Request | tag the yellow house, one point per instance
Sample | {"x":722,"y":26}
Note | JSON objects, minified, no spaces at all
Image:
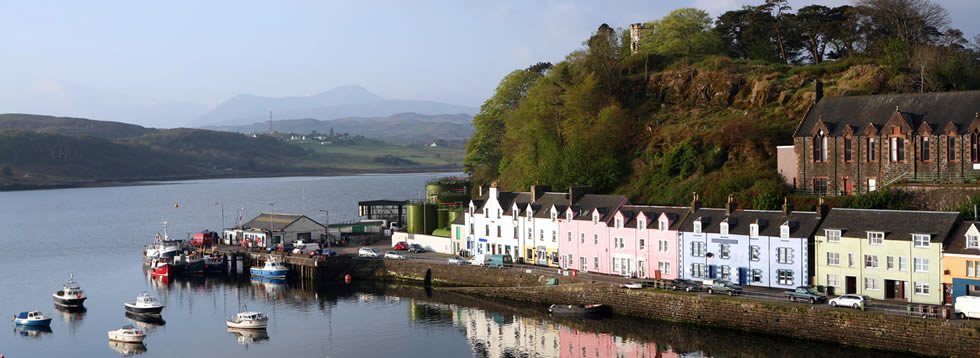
{"x":883,"y":254}
{"x":961,"y":263}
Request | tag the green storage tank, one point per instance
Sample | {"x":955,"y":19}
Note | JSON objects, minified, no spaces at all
{"x":413,"y":214}
{"x":432,"y":193}
{"x":453,"y":214}
{"x":443,"y":218}
{"x":431,"y":218}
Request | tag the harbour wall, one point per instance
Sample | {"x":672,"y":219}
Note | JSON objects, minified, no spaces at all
{"x":955,"y":338}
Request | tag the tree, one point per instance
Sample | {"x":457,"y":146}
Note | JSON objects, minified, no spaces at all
{"x":683,"y":32}
{"x":912,"y":21}
{"x":820,"y":26}
{"x":780,"y":24}
{"x":483,"y":149}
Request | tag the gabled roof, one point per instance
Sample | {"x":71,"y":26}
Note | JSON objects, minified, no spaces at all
{"x":277,"y":222}
{"x":542,"y":207}
{"x":896,"y":224}
{"x":957,"y":241}
{"x":676,"y":215}
{"x":802,"y":223}
{"x":938,"y":108}
{"x":460,"y":220}
{"x":606,"y":204}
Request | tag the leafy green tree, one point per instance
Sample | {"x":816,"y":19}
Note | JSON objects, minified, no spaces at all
{"x":683,"y":32}
{"x":820,"y":26}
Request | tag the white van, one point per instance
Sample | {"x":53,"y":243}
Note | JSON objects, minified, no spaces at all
{"x":967,"y":306}
{"x":301,"y":247}
{"x":480,"y":260}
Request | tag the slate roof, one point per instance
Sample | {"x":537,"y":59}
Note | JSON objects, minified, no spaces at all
{"x":896,"y":224}
{"x":460,"y":220}
{"x":957,"y":241}
{"x":653,"y":213}
{"x":607,"y":205}
{"x":542,"y":206}
{"x":278,"y":221}
{"x":936,"y":108}
{"x":802,"y":223}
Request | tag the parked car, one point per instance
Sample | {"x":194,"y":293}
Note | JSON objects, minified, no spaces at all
{"x":368,"y":252}
{"x":287,"y":248}
{"x":480,"y":260}
{"x":967,"y":307}
{"x":808,"y":294}
{"x":328,"y":252}
{"x":457,"y":260}
{"x":501,"y":261}
{"x":679,"y":284}
{"x":722,"y":286}
{"x":401,"y":246}
{"x":850,"y":300}
{"x":395,"y":255}
{"x":415,"y":248}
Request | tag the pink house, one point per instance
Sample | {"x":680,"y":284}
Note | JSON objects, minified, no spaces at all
{"x":644,"y":241}
{"x":575,"y":343}
{"x":585,"y":233}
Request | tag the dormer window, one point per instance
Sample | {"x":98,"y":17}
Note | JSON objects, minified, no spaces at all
{"x":554,"y":215}
{"x":515,"y":215}
{"x":619,"y":223}
{"x":486,"y":212}
{"x":876,"y":238}
{"x":784,"y":231}
{"x":972,"y":241}
{"x":697,"y":226}
{"x":529,"y":214}
{"x":568,"y":216}
{"x":641,"y":224}
{"x":595,"y":219}
{"x":920,"y":240}
{"x":471,"y":210}
{"x":833,"y":235}
{"x":723,"y":227}
{"x":499,"y":212}
{"x":664,"y":225}
{"x":754,"y":230}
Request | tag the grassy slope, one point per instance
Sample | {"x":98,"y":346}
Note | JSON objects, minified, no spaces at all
{"x":361,"y":156}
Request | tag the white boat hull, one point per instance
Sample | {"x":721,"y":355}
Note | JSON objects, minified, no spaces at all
{"x":125,"y":338}
{"x":248,"y":324}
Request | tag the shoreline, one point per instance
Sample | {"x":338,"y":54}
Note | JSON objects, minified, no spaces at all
{"x":120,"y":182}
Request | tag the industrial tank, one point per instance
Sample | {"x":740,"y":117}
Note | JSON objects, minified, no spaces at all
{"x":422,"y":218}
{"x":443,"y":218}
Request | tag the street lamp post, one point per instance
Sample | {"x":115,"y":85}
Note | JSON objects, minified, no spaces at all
{"x":222,"y":228}
{"x":326,"y":225}
{"x":271,"y":209}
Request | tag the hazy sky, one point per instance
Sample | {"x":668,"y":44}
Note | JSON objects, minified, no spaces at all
{"x":164,"y":63}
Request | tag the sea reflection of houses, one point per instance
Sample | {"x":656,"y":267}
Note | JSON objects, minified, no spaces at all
{"x":576,"y":343}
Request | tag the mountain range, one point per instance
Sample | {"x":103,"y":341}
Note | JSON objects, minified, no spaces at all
{"x":340,"y":102}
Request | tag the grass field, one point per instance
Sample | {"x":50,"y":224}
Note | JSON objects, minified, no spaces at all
{"x":362,"y":156}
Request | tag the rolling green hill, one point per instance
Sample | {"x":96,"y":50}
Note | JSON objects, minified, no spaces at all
{"x":76,"y":127}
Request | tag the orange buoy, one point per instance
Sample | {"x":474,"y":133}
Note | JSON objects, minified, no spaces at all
{"x":176,"y":205}
{"x":346,"y":280}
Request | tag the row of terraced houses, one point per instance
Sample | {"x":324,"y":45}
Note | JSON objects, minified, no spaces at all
{"x":913,"y":256}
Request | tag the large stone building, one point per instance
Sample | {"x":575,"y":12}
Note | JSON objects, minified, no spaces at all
{"x":856,"y":144}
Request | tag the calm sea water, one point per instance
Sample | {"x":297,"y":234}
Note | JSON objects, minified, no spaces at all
{"x":98,"y":233}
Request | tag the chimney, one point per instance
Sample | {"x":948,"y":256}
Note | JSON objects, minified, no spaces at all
{"x":730,"y":206}
{"x":537,"y":191}
{"x":787,"y":207}
{"x":695,"y":203}
{"x":577,"y":192}
{"x":821,"y":209}
{"x":818,"y":90}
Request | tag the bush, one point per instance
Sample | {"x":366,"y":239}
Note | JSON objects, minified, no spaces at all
{"x":881,"y":199}
{"x":681,"y":160}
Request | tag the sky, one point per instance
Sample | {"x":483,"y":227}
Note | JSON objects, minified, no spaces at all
{"x":163,"y":64}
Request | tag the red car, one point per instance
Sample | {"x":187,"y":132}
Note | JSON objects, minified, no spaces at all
{"x":401,"y":246}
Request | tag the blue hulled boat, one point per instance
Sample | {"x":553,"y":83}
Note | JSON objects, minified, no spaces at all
{"x":272,"y":269}
{"x":32,"y":318}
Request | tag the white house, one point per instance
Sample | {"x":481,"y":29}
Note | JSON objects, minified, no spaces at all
{"x":284,"y":228}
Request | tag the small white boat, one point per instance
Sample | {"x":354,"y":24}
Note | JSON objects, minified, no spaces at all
{"x":127,"y":334}
{"x":249,"y":320}
{"x":145,"y":304}
{"x":71,"y":295}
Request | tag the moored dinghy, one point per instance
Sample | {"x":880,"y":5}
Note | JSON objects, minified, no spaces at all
{"x":71,"y":295}
{"x":578,"y":310}
{"x":145,"y":304}
{"x":32,"y":318}
{"x":249,"y":320}
{"x":127,"y":334}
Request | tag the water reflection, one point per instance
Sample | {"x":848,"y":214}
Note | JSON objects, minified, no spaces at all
{"x":246,"y":336}
{"x":127,"y":349}
{"x":146,"y":323}
{"x":32,"y":331}
{"x":72,"y":317}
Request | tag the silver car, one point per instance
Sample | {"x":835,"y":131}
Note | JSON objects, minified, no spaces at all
{"x":368,"y":252}
{"x":849,"y":300}
{"x":457,"y":260}
{"x":394,"y":255}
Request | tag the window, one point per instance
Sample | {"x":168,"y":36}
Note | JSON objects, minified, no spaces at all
{"x":753,"y":230}
{"x":663,"y":225}
{"x":784,"y":255}
{"x":486,"y":212}
{"x":870,"y":284}
{"x":784,"y":231}
{"x":581,"y":237}
{"x":872,"y":184}
{"x":554,"y":215}
{"x":819,"y":147}
{"x":972,"y":268}
{"x":516,"y":232}
{"x":723,"y":227}
{"x":514,"y":214}
{"x":850,"y":260}
{"x":583,"y":263}
{"x":641,"y":224}
{"x":847,"y":149}
{"x":615,"y":264}
{"x":833,"y":259}
{"x":697,"y":270}
{"x":499,"y":212}
{"x":903,"y":264}
{"x":664,"y":267}
{"x":889,"y":263}
{"x":950,"y":148}
{"x":618,"y":243}
{"x":920,"y":240}
{"x":871,"y":261}
{"x":595,"y":261}
{"x":595,"y":219}
{"x":819,"y":185}
{"x":554,"y":236}
{"x":642,"y":244}
{"x":920,"y":264}
{"x":595,"y":239}
{"x":833,"y":280}
{"x":972,"y":241}
{"x":754,"y":252}
{"x":569,"y":236}
{"x":697,"y":249}
{"x":724,"y":251}
{"x":619,"y":223}
{"x":530,"y":234}
{"x":486,"y":230}
{"x":897,"y":149}
{"x":568,"y":216}
{"x":921,"y":288}
{"x":756,"y":275}
{"x":726,"y":273}
{"x":871,"y":149}
{"x":472,"y":229}
{"x":498,"y":231}
{"x":876,"y":238}
{"x":833,"y":235}
{"x":924,"y":145}
{"x":663,"y":245}
{"x":973,"y":147}
{"x":541,"y":234}
{"x":785,"y":277}
{"x":697,"y":226}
